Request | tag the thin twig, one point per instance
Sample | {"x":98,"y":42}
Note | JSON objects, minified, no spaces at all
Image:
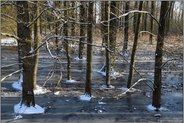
{"x":11,"y":74}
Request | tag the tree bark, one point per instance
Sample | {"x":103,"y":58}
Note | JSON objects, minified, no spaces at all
{"x":82,"y":28}
{"x":135,"y":16}
{"x":130,"y":76}
{"x":37,"y":40}
{"x":151,"y":21}
{"x":65,"y":32}
{"x":24,"y":33}
{"x":156,"y":102}
{"x":125,"y":45}
{"x":89,"y":50}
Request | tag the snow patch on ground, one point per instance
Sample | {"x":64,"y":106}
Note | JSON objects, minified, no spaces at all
{"x":173,"y":79}
{"x":8,"y":42}
{"x":101,"y":103}
{"x":152,"y":108}
{"x":39,"y":90}
{"x":85,"y":97}
{"x":57,"y":93}
{"x":70,"y":81}
{"x":78,"y":59}
{"x":23,"y":109}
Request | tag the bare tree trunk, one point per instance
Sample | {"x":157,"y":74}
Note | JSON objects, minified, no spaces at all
{"x":65,"y":32}
{"x":73,"y":16}
{"x":107,"y":41}
{"x":151,"y":21}
{"x":24,"y":33}
{"x":89,"y":50}
{"x":125,"y":45}
{"x":82,"y":28}
{"x":156,"y":102}
{"x":37,"y":39}
{"x":103,"y":19}
{"x":130,"y":76}
{"x":135,"y":16}
{"x":56,"y":29}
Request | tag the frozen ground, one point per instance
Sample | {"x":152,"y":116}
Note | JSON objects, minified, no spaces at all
{"x":62,"y":103}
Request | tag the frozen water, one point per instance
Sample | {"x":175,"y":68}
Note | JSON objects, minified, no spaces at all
{"x":23,"y":109}
{"x":18,"y":117}
{"x":85,"y":97}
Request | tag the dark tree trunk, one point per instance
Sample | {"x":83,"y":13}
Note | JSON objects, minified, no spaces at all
{"x":73,"y":16}
{"x":151,"y":21}
{"x":65,"y":32}
{"x":125,"y":45}
{"x":156,"y":102}
{"x":89,"y":50}
{"x":24,"y":33}
{"x":130,"y":76}
{"x":103,"y":19}
{"x":56,"y":29}
{"x":37,"y":39}
{"x":135,"y":16}
{"x":82,"y":28}
{"x":107,"y":41}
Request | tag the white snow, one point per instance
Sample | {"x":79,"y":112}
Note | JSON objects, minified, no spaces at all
{"x":70,"y":81}
{"x":126,"y":89}
{"x":113,"y":74}
{"x":152,"y":108}
{"x":18,"y":117}
{"x":101,"y":103}
{"x":105,"y":87}
{"x":39,"y":90}
{"x":85,"y":97}
{"x":78,"y":59}
{"x":8,"y":42}
{"x":32,"y":50}
{"x":57,"y":93}
{"x":23,"y":109}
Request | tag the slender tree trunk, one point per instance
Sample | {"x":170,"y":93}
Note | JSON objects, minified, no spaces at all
{"x":56,"y":29}
{"x":130,"y":76}
{"x":151,"y":21}
{"x":156,"y":102}
{"x":107,"y":41}
{"x":125,"y":45}
{"x":37,"y":39}
{"x":89,"y":50}
{"x":65,"y":32}
{"x":73,"y":16}
{"x":135,"y":16}
{"x":82,"y":28}
{"x":24,"y":33}
{"x":103,"y":19}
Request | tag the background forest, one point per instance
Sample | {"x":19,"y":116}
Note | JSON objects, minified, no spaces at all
{"x":112,"y":61}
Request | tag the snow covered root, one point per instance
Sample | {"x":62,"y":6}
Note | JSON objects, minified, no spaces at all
{"x":152,"y":108}
{"x":85,"y":97}
{"x":23,"y":109}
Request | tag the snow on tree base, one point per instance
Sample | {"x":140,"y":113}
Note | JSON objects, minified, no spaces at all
{"x":39,"y":90}
{"x":106,"y":87}
{"x":78,"y":59}
{"x":152,"y":108}
{"x":85,"y":97}
{"x":18,"y":117}
{"x":70,"y":81}
{"x":23,"y":109}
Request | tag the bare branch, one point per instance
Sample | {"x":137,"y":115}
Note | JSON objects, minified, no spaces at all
{"x":11,"y":65}
{"x":11,"y":74}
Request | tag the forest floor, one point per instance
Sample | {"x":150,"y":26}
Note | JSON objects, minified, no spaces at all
{"x":65,"y":106}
